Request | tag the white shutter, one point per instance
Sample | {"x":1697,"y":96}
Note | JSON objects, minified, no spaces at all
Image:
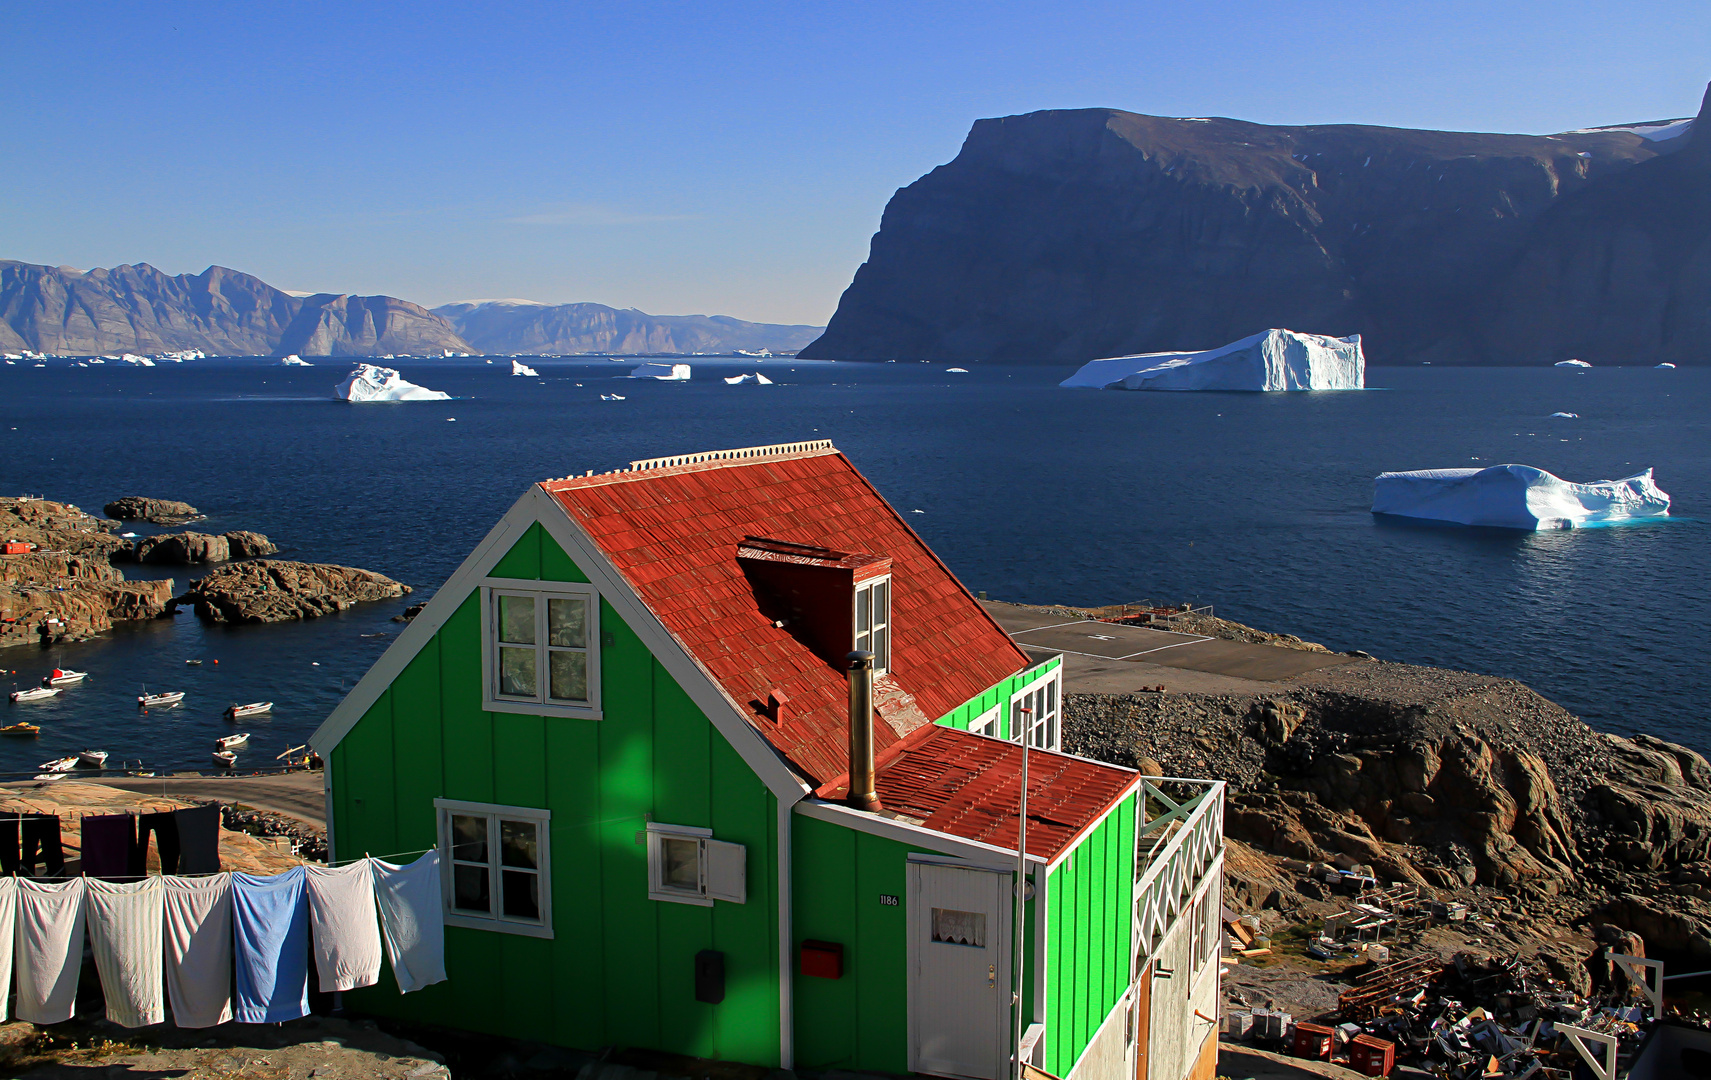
{"x":727,"y":871}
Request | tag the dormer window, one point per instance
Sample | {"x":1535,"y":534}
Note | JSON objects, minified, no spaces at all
{"x":873,"y":621}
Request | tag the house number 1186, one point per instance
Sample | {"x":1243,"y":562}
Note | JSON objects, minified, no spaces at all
{"x":887,"y":900}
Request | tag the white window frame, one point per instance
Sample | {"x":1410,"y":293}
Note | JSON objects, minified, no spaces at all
{"x":730,"y":855}
{"x":541,"y":591}
{"x":880,"y":630}
{"x":988,"y":722}
{"x":1053,"y":718}
{"x":497,"y":921}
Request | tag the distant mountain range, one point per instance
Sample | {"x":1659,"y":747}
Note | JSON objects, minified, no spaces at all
{"x":69,"y":312}
{"x":1066,"y":236}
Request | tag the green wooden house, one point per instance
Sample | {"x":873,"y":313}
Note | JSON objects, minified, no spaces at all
{"x":722,"y":761}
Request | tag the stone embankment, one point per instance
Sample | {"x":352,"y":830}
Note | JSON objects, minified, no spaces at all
{"x":274,"y":590}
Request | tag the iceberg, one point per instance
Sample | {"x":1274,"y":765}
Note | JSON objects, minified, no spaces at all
{"x":1565,"y":415}
{"x":372,"y":383}
{"x":295,"y":361}
{"x":1516,"y":497}
{"x":136,"y":361}
{"x":1272,"y":360}
{"x":1571,"y":363}
{"x":662,"y":372}
{"x":956,"y":371}
{"x":757,"y":378}
{"x":520,"y":368}
{"x":1666,"y":365}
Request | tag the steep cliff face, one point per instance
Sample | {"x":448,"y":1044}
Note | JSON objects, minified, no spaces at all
{"x":1619,"y":272}
{"x":1065,"y":236}
{"x":516,"y":326}
{"x":222,"y":312}
{"x":343,"y":325}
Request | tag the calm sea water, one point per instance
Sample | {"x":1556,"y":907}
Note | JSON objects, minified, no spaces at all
{"x":1257,"y":504}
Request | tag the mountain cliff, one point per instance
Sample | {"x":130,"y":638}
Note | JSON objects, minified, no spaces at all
{"x":1070,"y":235}
{"x":66,"y":311}
{"x":522,"y":326}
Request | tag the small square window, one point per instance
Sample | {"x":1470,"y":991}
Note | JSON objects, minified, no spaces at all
{"x":687,"y":866}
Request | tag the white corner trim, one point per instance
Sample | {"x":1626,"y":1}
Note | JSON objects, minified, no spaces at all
{"x":421,"y":630}
{"x":786,"y":943}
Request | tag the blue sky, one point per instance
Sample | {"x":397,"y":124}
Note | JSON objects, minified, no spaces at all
{"x":725,"y":158}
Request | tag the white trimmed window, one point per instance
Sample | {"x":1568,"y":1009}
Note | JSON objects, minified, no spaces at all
{"x":494,"y":867}
{"x":873,"y":621}
{"x":1035,"y":710}
{"x":987,"y":724}
{"x":542,"y":651}
{"x":687,"y":866}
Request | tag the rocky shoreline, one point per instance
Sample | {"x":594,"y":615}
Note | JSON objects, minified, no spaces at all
{"x":1469,"y":786}
{"x":60,"y":578}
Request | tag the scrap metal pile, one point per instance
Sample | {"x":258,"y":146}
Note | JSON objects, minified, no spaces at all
{"x":1474,"y":1016}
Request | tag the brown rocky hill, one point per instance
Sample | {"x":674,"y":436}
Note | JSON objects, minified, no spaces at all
{"x":66,"y":311}
{"x":1069,"y":235}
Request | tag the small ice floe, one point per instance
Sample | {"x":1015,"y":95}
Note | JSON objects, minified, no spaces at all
{"x":1517,"y":497}
{"x":1565,"y":415}
{"x":127,"y":536}
{"x":757,"y":378}
{"x":956,"y":371}
{"x":520,"y":368}
{"x":295,"y":361}
{"x":372,"y":383}
{"x":662,"y":372}
{"x":611,"y":397}
{"x":136,"y":361}
{"x":917,"y":511}
{"x":97,"y":360}
{"x":1667,"y":365}
{"x":1571,"y":363}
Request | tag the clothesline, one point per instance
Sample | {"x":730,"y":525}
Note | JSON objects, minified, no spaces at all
{"x":256,"y":932}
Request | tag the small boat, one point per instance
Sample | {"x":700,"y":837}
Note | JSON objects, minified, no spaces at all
{"x":32,"y":730}
{"x":38,"y":693}
{"x":60,"y":764}
{"x":93,"y":758}
{"x":225,"y":758}
{"x":194,"y":663}
{"x":64,"y":677}
{"x":226,"y":742}
{"x":254,"y":708}
{"x":155,"y":701}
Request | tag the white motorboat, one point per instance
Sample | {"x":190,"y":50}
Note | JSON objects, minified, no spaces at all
{"x":64,"y":677}
{"x":254,"y":708}
{"x":60,"y":764}
{"x":225,"y":758}
{"x":226,"y":742}
{"x":93,"y":758}
{"x":37,"y":693}
{"x":156,"y":701}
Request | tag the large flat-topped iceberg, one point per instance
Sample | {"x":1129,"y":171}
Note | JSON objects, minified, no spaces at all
{"x":662,"y":372}
{"x":370,"y":382}
{"x":1516,"y":497}
{"x":1273,"y":360}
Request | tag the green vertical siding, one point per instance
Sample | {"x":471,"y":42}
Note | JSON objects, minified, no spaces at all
{"x":620,"y":967}
{"x":1088,"y":936}
{"x":972,"y":709}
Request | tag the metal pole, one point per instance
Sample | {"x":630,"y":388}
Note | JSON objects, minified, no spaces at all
{"x":1021,"y":893}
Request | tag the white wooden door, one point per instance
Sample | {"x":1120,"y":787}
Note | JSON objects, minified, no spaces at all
{"x":959,"y":971}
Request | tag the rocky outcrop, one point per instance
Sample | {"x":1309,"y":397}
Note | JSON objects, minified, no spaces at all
{"x":271,"y":590}
{"x":190,"y":548}
{"x":56,"y":527}
{"x":516,"y":326}
{"x":153,"y":511}
{"x":68,"y":588}
{"x":1069,"y":235}
{"x":65,"y":311}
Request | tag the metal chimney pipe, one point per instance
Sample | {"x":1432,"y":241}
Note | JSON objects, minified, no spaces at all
{"x":862,"y":794}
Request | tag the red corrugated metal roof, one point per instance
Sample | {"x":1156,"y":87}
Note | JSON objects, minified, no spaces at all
{"x":673,"y":533}
{"x":968,"y":786}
